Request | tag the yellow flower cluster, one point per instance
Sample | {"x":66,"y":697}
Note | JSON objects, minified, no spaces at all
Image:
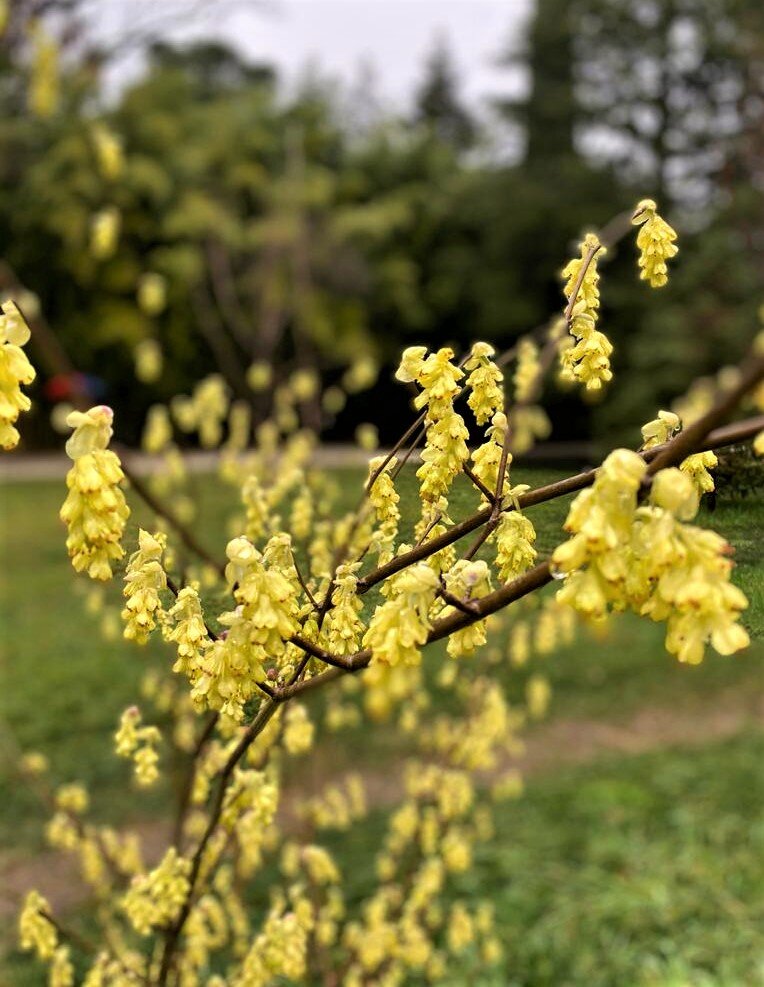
{"x":343,"y":626}
{"x":205,"y":411}
{"x":104,"y":232}
{"x":258,"y":629}
{"x":186,"y":628}
{"x":529,"y":423}
{"x":400,"y":625}
{"x":36,"y":931}
{"x":95,"y":510}
{"x":109,"y":152}
{"x":445,"y":448}
{"x":486,"y":459}
{"x":155,"y":899}
{"x":649,"y":560}
{"x":467,"y":580}
{"x":148,"y":360}
{"x":298,"y":729}
{"x":697,"y":467}
{"x":280,"y":950}
{"x":514,"y":536}
{"x":139,"y":743}
{"x":145,"y":579}
{"x":527,"y":371}
{"x":660,"y":429}
{"x":384,"y":500}
{"x":15,"y":370}
{"x":61,"y":972}
{"x":338,"y":807}
{"x":152,"y":292}
{"x":587,"y":360}
{"x":484,"y":382}
{"x":655,"y":241}
{"x":587,"y":298}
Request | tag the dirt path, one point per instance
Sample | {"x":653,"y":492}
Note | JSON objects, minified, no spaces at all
{"x":559,"y":743}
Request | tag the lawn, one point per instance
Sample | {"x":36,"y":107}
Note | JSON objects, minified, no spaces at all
{"x":633,"y":870}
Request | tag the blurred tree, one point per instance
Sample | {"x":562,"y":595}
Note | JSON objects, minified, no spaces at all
{"x":547,"y":111}
{"x":437,"y":99}
{"x":666,"y":87}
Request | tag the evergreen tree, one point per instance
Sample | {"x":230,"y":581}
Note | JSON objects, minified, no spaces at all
{"x":437,"y":100}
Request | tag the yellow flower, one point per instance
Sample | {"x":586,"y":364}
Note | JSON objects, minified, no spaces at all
{"x":656,"y":243}
{"x":514,"y":536}
{"x":587,"y":360}
{"x":697,"y":467}
{"x":139,"y":743}
{"x":400,"y":626}
{"x":527,"y":371}
{"x":15,"y":370}
{"x":343,"y":625}
{"x":148,"y":361}
{"x":155,"y":899}
{"x":484,"y":383}
{"x":104,"y":232}
{"x":144,"y":581}
{"x":152,"y":293}
{"x":660,"y":429}
{"x":445,"y":448}
{"x":36,"y":932}
{"x":186,"y":628}
{"x":108,"y":148}
{"x":95,"y":510}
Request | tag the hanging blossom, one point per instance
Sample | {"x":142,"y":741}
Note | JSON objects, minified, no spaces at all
{"x":656,"y":243}
{"x":257,"y":630}
{"x":145,"y":578}
{"x":156,"y":898}
{"x":663,"y":428}
{"x":527,"y":371}
{"x":649,"y":560}
{"x":484,"y":382}
{"x":109,"y":151}
{"x":15,"y":370}
{"x":185,"y":627}
{"x":467,"y":580}
{"x":384,"y":499}
{"x":514,"y":536}
{"x":697,"y":467}
{"x":104,"y":232}
{"x":486,"y":459}
{"x":36,"y":932}
{"x":400,"y":626}
{"x":586,"y":357}
{"x":660,"y":429}
{"x":445,"y":448}
{"x":95,"y":510}
{"x":138,"y":742}
{"x":343,"y":626}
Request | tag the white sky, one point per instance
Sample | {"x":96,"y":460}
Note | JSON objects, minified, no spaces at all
{"x":338,"y":36}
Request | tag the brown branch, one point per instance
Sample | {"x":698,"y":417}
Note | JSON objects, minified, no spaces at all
{"x":723,"y":437}
{"x":302,"y":582}
{"x":476,"y":481}
{"x":161,"y":510}
{"x":172,"y":935}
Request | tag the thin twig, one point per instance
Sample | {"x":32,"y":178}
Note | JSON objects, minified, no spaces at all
{"x":161,"y":510}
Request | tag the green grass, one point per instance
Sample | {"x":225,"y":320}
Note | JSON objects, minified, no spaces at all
{"x":641,"y":871}
{"x":64,"y":685}
{"x":644,"y":871}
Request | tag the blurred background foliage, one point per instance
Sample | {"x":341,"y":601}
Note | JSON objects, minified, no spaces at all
{"x":305,"y":230}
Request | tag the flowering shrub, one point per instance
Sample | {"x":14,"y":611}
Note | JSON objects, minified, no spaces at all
{"x":290,"y":612}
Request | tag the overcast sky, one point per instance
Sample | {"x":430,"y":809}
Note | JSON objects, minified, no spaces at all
{"x":339,"y":36}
